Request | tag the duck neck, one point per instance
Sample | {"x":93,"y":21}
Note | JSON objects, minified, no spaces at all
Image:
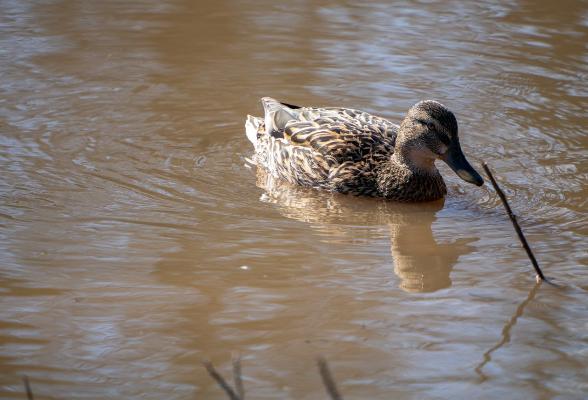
{"x":411,"y":176}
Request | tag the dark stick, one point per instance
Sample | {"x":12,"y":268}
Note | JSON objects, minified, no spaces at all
{"x":237,"y":377}
{"x":28,"y":388}
{"x":220,"y":380}
{"x":328,"y":379}
{"x":515,"y":223}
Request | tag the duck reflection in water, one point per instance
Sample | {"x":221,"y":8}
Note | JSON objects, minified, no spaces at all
{"x":422,"y":264}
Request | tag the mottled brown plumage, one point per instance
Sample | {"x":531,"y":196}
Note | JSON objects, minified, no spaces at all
{"x":350,"y":151}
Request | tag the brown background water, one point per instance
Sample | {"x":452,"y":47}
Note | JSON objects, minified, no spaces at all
{"x":135,"y":243}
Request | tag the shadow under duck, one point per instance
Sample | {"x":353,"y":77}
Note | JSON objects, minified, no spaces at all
{"x":349,"y":151}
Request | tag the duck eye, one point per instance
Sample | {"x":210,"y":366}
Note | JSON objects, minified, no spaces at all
{"x":430,"y":125}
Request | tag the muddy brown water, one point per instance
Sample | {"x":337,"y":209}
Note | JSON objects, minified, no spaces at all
{"x":135,"y":243}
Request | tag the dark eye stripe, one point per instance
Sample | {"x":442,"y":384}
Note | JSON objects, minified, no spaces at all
{"x":444,"y":139}
{"x":429,"y":124}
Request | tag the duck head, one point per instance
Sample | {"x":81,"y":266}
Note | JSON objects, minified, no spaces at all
{"x":429,"y":132}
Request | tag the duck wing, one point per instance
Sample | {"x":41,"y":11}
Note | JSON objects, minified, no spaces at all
{"x":333,"y":148}
{"x":339,"y":134}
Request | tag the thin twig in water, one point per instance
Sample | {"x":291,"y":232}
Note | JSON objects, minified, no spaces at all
{"x":237,"y":377}
{"x":515,"y":223}
{"x":28,"y":388}
{"x":221,"y":381}
{"x":328,"y":379}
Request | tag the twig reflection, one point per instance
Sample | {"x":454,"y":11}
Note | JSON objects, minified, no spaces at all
{"x":506,"y":331}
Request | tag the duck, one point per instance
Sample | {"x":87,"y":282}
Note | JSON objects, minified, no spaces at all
{"x":353,"y":152}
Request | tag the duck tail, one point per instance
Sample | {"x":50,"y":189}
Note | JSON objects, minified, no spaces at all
{"x":277,"y":115}
{"x":292,"y":106}
{"x":252,"y":125}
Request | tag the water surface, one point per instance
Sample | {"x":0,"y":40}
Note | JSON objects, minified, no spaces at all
{"x":135,"y":242}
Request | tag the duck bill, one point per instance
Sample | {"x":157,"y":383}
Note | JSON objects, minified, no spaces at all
{"x":457,"y":162}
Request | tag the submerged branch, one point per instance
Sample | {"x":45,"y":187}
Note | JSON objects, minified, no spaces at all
{"x":237,"y":377}
{"x":238,"y":393}
{"x":221,"y":381}
{"x":513,"y":218}
{"x":28,"y":388}
{"x":328,"y":380}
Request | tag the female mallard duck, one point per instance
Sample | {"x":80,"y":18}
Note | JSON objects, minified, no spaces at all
{"x":350,"y":151}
